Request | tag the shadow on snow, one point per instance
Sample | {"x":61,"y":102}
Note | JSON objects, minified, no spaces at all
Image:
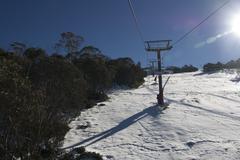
{"x":218,"y":113}
{"x":153,"y":111}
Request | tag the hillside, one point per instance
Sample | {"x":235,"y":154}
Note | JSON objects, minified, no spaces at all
{"x":202,"y":121}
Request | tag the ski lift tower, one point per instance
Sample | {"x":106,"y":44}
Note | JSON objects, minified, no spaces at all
{"x":158,"y":46}
{"x":152,"y":66}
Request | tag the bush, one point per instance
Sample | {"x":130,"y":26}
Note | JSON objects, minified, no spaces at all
{"x":2,"y":53}
{"x":189,"y":68}
{"x":174,"y":69}
{"x":27,"y":129}
{"x":39,"y":94}
{"x":96,"y":74}
{"x":89,"y":155}
{"x":80,"y":154}
{"x":95,"y":71}
{"x":62,"y":82}
{"x":210,"y":67}
{"x":126,"y":72}
{"x":34,"y":53}
{"x":185,"y":68}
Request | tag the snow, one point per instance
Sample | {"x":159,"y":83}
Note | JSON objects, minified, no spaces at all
{"x":202,"y":121}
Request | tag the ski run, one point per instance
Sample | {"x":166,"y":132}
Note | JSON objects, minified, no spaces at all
{"x":201,"y":122}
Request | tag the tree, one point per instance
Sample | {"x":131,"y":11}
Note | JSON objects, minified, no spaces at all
{"x":139,"y":64}
{"x":55,"y":55}
{"x":96,"y":73}
{"x":90,"y":50}
{"x":18,"y":48}
{"x":185,"y":68}
{"x":34,"y":53}
{"x":126,"y":72}
{"x":62,"y":81}
{"x":27,"y":128}
{"x":189,"y":68}
{"x":232,"y":64}
{"x":2,"y":53}
{"x":70,"y":42}
{"x":211,"y":67}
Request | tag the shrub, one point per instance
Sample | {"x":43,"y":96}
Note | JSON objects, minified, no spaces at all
{"x":39,"y":94}
{"x":126,"y":72}
{"x":62,"y":82}
{"x":80,"y":154}
{"x":96,"y":74}
{"x":2,"y":53}
{"x":232,"y":64}
{"x":210,"y":67}
{"x":27,"y":129}
{"x":89,"y":155}
{"x":185,"y":68}
{"x":95,"y":71}
{"x":34,"y":53}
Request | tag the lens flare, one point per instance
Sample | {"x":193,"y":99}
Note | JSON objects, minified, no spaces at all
{"x":235,"y":24}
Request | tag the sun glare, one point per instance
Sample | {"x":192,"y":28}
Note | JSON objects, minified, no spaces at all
{"x":235,"y":24}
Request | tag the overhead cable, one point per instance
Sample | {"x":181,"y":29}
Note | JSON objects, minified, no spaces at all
{"x":204,"y":20}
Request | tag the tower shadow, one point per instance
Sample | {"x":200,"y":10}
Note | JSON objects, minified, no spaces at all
{"x":153,"y":111}
{"x":215,"y":112}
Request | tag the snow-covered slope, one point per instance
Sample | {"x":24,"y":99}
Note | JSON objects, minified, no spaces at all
{"x":202,"y":121}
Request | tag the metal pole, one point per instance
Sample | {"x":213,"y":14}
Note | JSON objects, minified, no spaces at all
{"x":152,"y":68}
{"x":158,"y":49}
{"x":160,"y":95}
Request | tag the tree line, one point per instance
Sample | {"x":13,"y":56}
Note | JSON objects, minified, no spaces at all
{"x":212,"y":67}
{"x":185,"y":68}
{"x":40,"y":93}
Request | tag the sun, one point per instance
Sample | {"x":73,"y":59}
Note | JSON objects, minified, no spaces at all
{"x":235,"y":24}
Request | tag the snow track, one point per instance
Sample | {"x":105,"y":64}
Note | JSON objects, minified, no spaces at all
{"x":202,"y":121}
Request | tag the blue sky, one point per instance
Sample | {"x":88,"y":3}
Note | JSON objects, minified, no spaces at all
{"x":109,"y":26}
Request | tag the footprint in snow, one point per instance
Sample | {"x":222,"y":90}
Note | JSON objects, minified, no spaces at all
{"x":166,"y":150}
{"x":195,"y":100}
{"x":110,"y":157}
{"x":84,"y":125}
{"x":190,"y":144}
{"x":101,"y":104}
